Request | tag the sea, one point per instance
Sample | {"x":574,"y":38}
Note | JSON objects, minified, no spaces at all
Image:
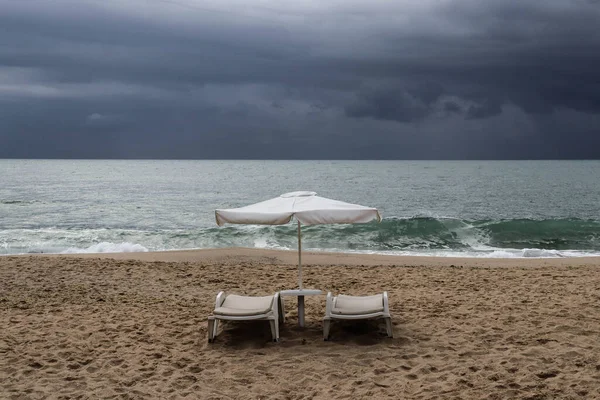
{"x":429,"y":208}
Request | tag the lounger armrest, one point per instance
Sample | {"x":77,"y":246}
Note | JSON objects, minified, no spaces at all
{"x":329,"y":304}
{"x":220,"y":299}
{"x":386,"y":307}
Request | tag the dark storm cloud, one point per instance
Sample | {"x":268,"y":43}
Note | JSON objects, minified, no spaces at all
{"x":396,"y":103}
{"x":393,"y":104}
{"x":487,"y":108}
{"x":186,"y":79}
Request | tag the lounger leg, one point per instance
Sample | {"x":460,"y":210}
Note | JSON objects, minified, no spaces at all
{"x":277,"y":331}
{"x":388,"y":326}
{"x":211,"y":330}
{"x":274,"y":329}
{"x":326,"y":327}
{"x":281,"y":311}
{"x":301,"y":311}
{"x":216,"y":328}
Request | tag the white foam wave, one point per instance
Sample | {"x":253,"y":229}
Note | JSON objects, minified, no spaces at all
{"x":260,"y":243}
{"x":107,"y":247}
{"x":264,"y":243}
{"x":498,"y":253}
{"x":539,"y":253}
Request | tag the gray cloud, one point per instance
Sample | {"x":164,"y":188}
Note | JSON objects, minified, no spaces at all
{"x":182,"y":78}
{"x":395,"y":104}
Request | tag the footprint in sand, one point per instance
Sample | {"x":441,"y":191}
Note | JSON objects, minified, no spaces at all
{"x":547,"y":374}
{"x":116,"y":362}
{"x":195,"y":369}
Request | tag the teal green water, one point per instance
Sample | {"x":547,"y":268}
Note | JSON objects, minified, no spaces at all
{"x":444,"y":208}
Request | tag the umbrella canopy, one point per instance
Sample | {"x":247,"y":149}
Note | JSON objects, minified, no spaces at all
{"x":306,"y":207}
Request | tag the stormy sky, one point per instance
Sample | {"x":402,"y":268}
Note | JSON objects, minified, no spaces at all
{"x":305,"y":79}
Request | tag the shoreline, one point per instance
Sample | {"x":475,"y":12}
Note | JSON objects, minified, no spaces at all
{"x":230,"y":255}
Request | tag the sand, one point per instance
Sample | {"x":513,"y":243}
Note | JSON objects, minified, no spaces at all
{"x":131,"y":326}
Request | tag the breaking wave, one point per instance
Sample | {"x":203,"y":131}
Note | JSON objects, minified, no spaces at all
{"x":106,"y":247}
{"x":403,"y":236}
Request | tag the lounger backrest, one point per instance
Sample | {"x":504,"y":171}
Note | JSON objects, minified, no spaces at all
{"x":248,"y":303}
{"x":358,"y":305}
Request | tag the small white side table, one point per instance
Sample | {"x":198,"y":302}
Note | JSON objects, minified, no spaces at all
{"x":301,"y":293}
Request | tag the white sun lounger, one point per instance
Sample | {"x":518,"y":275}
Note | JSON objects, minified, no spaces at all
{"x":357,"y":307}
{"x":246,"y":308}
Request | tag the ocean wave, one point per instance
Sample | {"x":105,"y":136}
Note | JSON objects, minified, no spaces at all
{"x":489,"y":253}
{"x":420,"y":235}
{"x":106,"y":247}
{"x":429,"y":233}
{"x":17,"y":202}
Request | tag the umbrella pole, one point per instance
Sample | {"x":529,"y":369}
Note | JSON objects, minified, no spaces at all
{"x":299,"y":257}
{"x":300,"y":298}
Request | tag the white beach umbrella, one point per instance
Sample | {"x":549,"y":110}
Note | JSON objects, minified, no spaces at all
{"x":306,"y":207}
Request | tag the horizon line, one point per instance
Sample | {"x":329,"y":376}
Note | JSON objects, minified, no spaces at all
{"x":296,"y":159}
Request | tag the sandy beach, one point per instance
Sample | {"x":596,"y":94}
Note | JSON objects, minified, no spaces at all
{"x":133,"y":325}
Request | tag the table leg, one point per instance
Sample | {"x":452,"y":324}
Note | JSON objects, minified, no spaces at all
{"x":301,"y":311}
